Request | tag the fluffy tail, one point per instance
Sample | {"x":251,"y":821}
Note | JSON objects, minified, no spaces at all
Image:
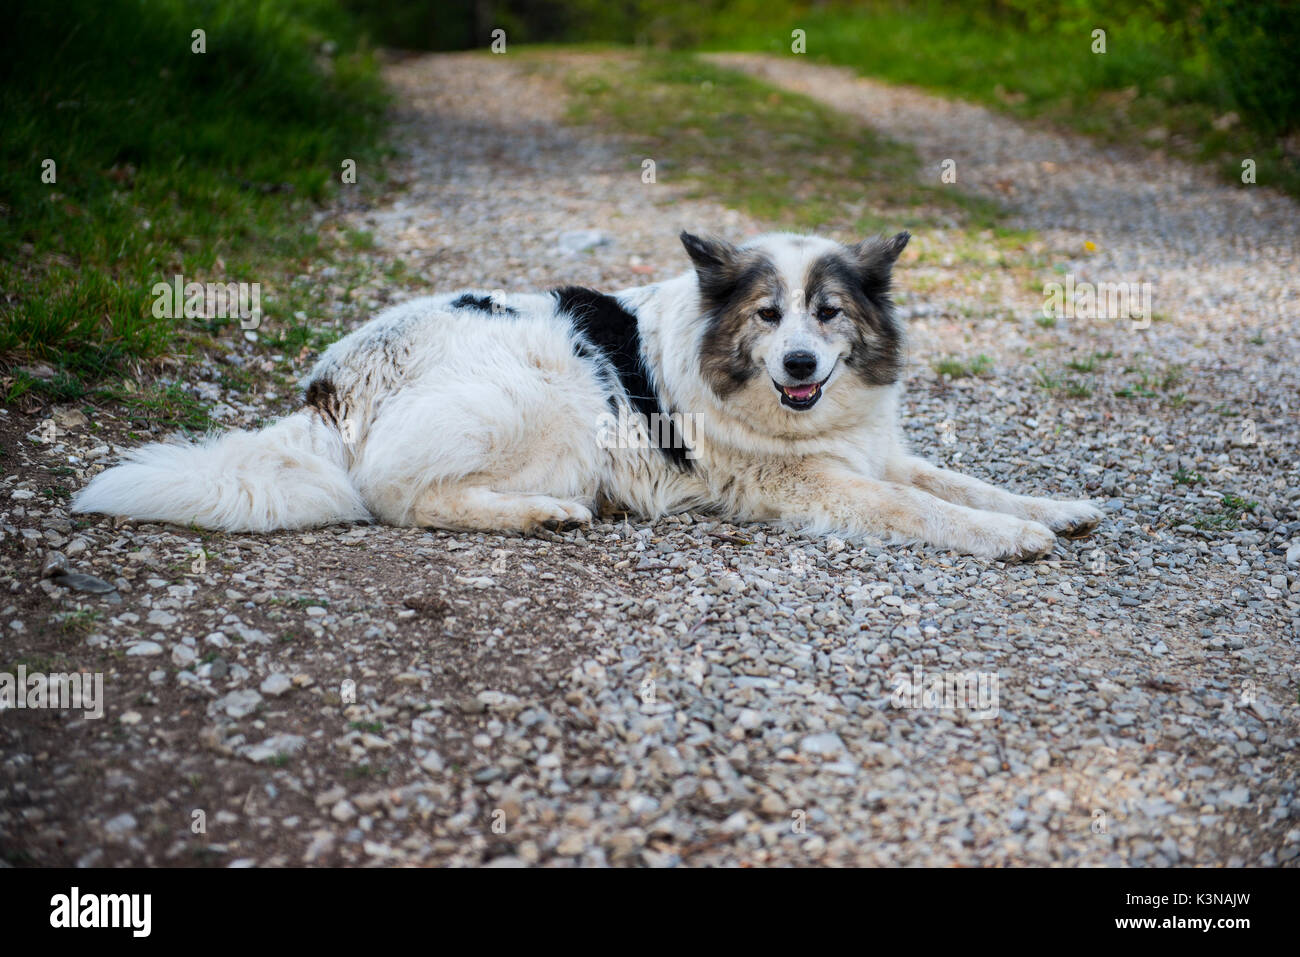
{"x":290,"y":475}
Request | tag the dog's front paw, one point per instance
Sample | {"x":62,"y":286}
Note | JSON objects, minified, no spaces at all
{"x":558,"y":515}
{"x":1072,"y":519}
{"x":1009,"y":539}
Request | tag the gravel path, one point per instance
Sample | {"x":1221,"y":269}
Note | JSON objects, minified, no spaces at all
{"x":693,"y":692}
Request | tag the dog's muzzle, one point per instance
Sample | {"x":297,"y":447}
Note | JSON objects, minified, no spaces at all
{"x":801,"y":397}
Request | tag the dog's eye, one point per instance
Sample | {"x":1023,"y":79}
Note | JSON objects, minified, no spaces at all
{"x":827,"y":313}
{"x":769,"y":313}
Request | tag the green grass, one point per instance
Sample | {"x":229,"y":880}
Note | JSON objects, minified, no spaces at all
{"x":955,"y":368}
{"x":360,"y":239}
{"x":79,"y":624}
{"x":1081,"y":386}
{"x":1148,"y":385}
{"x":1158,"y":84}
{"x":1090,"y":363}
{"x":779,"y":156}
{"x":1071,"y":387}
{"x":165,"y":406}
{"x":1228,"y":516}
{"x":167,"y":161}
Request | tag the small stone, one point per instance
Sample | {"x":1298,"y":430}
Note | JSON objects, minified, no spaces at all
{"x":1236,"y":797}
{"x":322,"y":843}
{"x":432,"y":762}
{"x":122,"y":824}
{"x":570,"y":846}
{"x":275,"y":747}
{"x":826,"y":744}
{"x":239,"y":704}
{"x":332,"y":796}
{"x":581,"y":240}
{"x":70,"y":418}
{"x":84,"y":583}
{"x":276,"y":684}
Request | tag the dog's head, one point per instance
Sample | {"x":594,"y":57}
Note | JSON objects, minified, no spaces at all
{"x":789,"y":318}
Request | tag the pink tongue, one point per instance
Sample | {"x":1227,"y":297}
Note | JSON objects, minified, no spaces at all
{"x":800,"y":391}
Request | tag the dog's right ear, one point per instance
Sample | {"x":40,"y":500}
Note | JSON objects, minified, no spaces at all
{"x":708,"y":253}
{"x":715,"y":261}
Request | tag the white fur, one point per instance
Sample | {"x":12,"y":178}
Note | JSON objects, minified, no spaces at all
{"x":290,"y":475}
{"x":458,"y":419}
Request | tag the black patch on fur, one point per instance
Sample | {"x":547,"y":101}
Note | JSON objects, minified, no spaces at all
{"x":613,"y":332}
{"x":862,"y":275}
{"x":483,"y":304}
{"x":324,"y":398}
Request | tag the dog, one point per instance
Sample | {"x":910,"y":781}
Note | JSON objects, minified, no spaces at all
{"x":761,"y":385}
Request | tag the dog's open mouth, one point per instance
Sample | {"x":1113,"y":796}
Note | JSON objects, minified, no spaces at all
{"x":800,"y":396}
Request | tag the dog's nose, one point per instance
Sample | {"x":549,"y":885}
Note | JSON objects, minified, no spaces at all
{"x":800,"y":364}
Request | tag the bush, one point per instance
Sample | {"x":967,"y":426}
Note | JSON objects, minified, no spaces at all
{"x":1255,"y":45}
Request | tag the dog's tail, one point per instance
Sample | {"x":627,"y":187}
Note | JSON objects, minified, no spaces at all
{"x":290,"y":475}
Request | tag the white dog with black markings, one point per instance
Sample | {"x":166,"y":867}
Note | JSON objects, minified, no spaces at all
{"x":766,"y":378}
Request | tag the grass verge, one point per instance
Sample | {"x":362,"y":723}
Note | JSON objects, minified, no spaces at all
{"x":1155,"y":86}
{"x":775,"y":155}
{"x":145,"y":141}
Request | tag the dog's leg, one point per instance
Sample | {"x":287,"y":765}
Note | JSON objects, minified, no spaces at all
{"x":475,"y":508}
{"x":1071,"y":517}
{"x":847,"y":503}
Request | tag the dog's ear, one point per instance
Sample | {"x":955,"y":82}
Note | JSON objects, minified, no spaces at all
{"x":715,"y":262}
{"x":717,"y":265}
{"x":881,"y":253}
{"x":876,"y":257}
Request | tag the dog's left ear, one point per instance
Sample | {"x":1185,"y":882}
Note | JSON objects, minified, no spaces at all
{"x":877,"y":256}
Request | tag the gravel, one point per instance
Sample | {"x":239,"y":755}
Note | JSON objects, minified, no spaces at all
{"x":692,"y":691}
